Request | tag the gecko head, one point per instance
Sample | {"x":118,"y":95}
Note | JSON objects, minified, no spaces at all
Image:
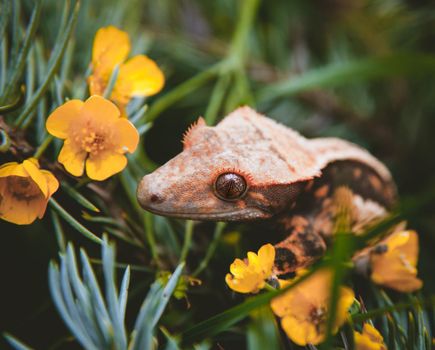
{"x":226,"y":173}
{"x":190,"y":188}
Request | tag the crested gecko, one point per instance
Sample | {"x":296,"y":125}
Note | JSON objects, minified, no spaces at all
{"x":249,"y":167}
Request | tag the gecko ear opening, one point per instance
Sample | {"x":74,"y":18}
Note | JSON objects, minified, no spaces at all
{"x":191,"y":134}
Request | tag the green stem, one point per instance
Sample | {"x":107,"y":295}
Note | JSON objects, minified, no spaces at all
{"x":244,"y":24}
{"x":73,"y":222}
{"x":234,"y":59}
{"x":149,"y":234}
{"x":216,"y":99}
{"x":237,"y":56}
{"x":41,"y":149}
{"x":60,"y":236}
{"x":212,"y":248}
{"x":269,"y":288}
{"x":180,"y":91}
{"x":187,"y":240}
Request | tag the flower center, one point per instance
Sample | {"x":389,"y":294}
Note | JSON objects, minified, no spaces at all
{"x":317,"y":316}
{"x":93,"y":143}
{"x":92,"y":140}
{"x":22,"y":188}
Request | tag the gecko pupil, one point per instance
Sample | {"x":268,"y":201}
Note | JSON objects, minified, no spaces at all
{"x":230,"y":186}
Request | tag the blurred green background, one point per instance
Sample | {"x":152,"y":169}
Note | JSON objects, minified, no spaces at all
{"x":362,"y":70}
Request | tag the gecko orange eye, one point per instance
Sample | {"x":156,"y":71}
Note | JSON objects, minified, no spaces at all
{"x":230,"y":186}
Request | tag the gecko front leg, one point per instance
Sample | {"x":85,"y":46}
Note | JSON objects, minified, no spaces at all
{"x":310,"y":232}
{"x":301,"y":248}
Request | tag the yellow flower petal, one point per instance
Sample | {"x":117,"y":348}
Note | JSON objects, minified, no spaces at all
{"x":59,"y":122}
{"x":13,"y":169}
{"x":36,"y":176}
{"x":281,"y":305}
{"x":301,"y":333}
{"x":396,"y":268}
{"x":97,"y":84}
{"x":346,"y":299}
{"x":129,"y":136}
{"x":34,"y":161}
{"x":398,"y":239}
{"x":304,"y":308}
{"x":401,"y":280}
{"x":25,"y":191}
{"x":105,"y":165}
{"x":52,"y":182}
{"x":266,"y":258}
{"x":238,"y":268}
{"x":100,"y":136}
{"x":253,"y":261}
{"x":250,"y":276}
{"x":111,"y":47}
{"x":251,"y":283}
{"x":73,"y":159}
{"x":139,"y":76}
{"x":369,"y":339}
{"x":20,"y":212}
{"x":100,"y":110}
{"x":410,"y":247}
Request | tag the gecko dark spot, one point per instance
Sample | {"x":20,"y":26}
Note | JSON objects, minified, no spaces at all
{"x":312,"y":245}
{"x":287,"y":275}
{"x":230,"y":186}
{"x":156,"y":199}
{"x":284,"y":258}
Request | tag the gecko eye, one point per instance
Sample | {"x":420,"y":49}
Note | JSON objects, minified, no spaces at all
{"x":230,"y":186}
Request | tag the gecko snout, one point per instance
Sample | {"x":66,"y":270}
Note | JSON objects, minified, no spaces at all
{"x":146,"y":195}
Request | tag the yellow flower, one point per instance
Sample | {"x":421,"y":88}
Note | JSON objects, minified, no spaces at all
{"x":250,"y":276}
{"x":24,"y":191}
{"x":138,"y":76}
{"x":304,"y":308}
{"x":369,"y":339}
{"x":393,"y":262}
{"x":94,"y":135}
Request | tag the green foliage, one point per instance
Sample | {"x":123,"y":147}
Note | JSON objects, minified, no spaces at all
{"x":361,"y":70}
{"x":97,"y":322}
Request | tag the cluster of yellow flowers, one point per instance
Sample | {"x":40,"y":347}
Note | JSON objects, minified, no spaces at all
{"x":96,"y":132}
{"x":303,"y":309}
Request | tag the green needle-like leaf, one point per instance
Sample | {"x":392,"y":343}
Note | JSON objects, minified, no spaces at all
{"x":263,"y":331}
{"x":123,"y":292}
{"x":77,"y":196}
{"x":112,"y":296}
{"x":73,"y":222}
{"x":15,"y":343}
{"x":54,"y":64}
{"x":4,"y":19}
{"x":17,"y":70}
{"x":151,"y":311}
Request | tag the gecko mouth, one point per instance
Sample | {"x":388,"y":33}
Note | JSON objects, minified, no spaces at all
{"x":245,"y":214}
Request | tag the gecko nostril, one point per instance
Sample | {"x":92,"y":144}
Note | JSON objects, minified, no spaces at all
{"x":156,"y":199}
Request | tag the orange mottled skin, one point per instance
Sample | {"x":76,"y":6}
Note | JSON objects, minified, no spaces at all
{"x":275,"y":174}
